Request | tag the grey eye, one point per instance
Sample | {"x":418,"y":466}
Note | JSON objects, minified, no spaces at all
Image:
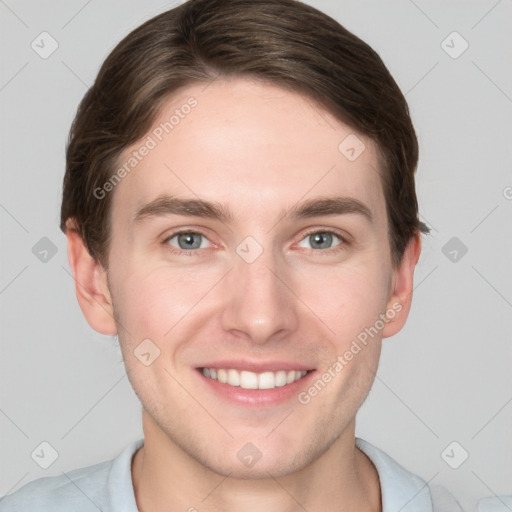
{"x":321,"y":239}
{"x":187,"y":241}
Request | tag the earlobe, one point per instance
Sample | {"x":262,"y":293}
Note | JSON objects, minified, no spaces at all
{"x":90,"y":284}
{"x":399,"y":303}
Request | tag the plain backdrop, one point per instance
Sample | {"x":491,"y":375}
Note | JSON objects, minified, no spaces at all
{"x":445,"y":378}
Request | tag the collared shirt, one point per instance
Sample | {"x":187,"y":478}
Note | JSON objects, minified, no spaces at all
{"x":108,"y":487}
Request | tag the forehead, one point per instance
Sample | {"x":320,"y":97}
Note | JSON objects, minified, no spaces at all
{"x":252,"y":146}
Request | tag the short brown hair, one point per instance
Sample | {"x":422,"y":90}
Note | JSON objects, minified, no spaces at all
{"x":284,"y":42}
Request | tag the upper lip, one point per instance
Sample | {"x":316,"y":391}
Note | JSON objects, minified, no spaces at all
{"x":256,"y":366}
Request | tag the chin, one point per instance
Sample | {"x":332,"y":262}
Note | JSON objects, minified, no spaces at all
{"x":261,"y":469}
{"x":246,"y":460}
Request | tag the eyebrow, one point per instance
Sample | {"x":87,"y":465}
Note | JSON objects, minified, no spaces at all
{"x":321,"y":206}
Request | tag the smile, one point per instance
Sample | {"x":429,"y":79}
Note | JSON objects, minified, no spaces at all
{"x":251,"y":380}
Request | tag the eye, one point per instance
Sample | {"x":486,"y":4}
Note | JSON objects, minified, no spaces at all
{"x":186,"y":241}
{"x":322,"y":239}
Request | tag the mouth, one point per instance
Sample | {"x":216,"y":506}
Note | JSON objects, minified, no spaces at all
{"x":249,"y":380}
{"x":255,"y":384}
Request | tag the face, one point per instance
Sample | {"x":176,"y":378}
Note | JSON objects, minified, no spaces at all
{"x":280,"y":273}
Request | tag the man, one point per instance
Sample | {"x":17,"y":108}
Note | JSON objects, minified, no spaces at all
{"x":240,"y":211}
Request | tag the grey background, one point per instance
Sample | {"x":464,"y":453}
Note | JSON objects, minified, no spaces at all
{"x":444,"y":378}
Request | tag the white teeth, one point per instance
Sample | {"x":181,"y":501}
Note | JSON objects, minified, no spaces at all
{"x":251,"y":380}
{"x":266,"y":380}
{"x":248,"y":380}
{"x":222,"y":376}
{"x":233,"y":378}
{"x":281,"y":378}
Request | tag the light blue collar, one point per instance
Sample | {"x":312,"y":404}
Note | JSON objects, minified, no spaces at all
{"x":401,"y":490}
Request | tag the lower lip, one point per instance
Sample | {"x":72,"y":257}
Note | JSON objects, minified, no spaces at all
{"x":257,"y":397}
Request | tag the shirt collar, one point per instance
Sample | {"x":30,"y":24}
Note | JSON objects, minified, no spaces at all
{"x":401,"y":491}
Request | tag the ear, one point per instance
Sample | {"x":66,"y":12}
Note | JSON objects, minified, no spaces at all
{"x":399,"y":303}
{"x":90,"y":284}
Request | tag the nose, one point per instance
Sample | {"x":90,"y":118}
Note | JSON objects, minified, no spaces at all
{"x":261,"y":304}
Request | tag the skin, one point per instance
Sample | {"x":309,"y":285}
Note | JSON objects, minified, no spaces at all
{"x":257,"y":149}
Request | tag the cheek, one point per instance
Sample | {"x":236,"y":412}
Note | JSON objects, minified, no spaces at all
{"x":348,"y":299}
{"x":161,"y":301}
{"x":151,"y":303}
{"x":149,"y":306}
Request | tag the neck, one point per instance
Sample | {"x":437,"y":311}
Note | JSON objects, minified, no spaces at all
{"x":167,"y":478}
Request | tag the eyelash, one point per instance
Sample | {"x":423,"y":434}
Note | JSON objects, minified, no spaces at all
{"x":182,"y":252}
